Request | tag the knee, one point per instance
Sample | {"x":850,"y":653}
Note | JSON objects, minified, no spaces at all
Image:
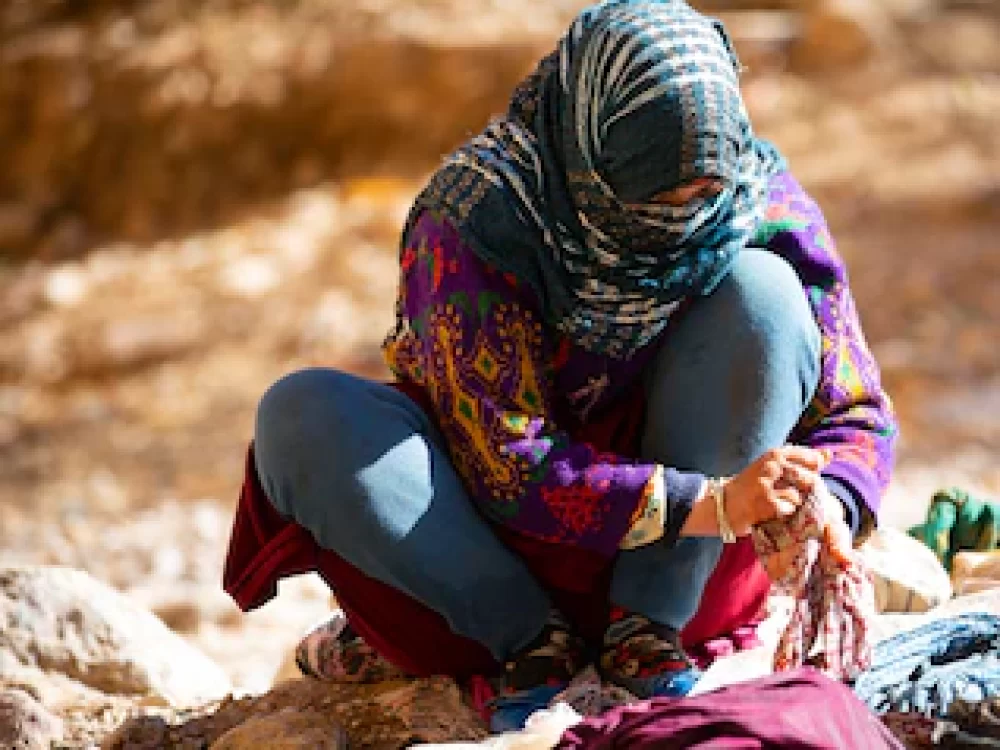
{"x":769,"y":316}
{"x":292,"y":404}
{"x":296,"y":418}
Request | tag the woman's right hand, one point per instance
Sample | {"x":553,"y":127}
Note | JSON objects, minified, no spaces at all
{"x":773,"y":486}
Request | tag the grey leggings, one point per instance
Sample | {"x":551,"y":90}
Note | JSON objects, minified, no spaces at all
{"x":361,"y":466}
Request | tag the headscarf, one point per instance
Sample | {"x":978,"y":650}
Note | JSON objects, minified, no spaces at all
{"x":639,"y":97}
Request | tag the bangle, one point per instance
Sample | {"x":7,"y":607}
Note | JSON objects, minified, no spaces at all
{"x":717,"y":489}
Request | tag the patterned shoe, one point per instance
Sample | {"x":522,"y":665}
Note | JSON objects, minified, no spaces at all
{"x":645,"y":657}
{"x":333,"y":651}
{"x":534,"y":676}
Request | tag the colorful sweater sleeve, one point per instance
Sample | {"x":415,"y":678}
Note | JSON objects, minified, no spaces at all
{"x":850,"y":414}
{"x":475,"y":343}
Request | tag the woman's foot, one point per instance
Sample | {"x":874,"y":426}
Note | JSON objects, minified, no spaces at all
{"x":333,"y":651}
{"x":646,"y":658}
{"x":534,"y":676}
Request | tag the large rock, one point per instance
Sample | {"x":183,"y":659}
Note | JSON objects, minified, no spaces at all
{"x":299,"y":712}
{"x":25,"y":723}
{"x":60,"y":620}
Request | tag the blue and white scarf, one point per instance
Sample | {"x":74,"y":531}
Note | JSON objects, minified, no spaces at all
{"x":640,"y":97}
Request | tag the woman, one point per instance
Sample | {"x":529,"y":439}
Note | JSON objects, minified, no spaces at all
{"x":624,"y":338}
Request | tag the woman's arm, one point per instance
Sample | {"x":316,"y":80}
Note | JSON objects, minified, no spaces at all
{"x":850,"y":414}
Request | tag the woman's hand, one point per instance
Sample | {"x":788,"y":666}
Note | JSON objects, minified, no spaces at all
{"x":773,"y":486}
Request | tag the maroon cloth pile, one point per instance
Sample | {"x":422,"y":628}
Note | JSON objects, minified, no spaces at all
{"x":798,"y":710}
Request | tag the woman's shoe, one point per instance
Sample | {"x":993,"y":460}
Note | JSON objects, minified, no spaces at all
{"x":334,"y":651}
{"x":646,"y":658}
{"x":510,"y":711}
{"x":541,"y":670}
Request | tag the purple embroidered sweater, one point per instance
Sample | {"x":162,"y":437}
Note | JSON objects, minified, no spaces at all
{"x":496,"y":376}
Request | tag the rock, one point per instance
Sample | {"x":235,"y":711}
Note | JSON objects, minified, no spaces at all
{"x":908,"y":576}
{"x":973,"y":572}
{"x":25,"y":723}
{"x":181,"y":617}
{"x":18,"y":224}
{"x":285,"y":730}
{"x":433,"y":710}
{"x":64,"y":621}
{"x":132,"y":342}
{"x":308,"y":712}
{"x":139,"y":732}
{"x":250,"y":276}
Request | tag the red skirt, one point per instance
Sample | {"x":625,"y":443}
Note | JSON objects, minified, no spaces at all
{"x":265,"y":547}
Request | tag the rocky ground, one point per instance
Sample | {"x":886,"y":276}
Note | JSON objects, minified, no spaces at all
{"x":203,"y":196}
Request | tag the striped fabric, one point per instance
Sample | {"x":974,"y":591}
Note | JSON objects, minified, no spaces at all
{"x":639,"y":97}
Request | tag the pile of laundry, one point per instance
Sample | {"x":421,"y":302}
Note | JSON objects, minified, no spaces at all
{"x":937,"y":685}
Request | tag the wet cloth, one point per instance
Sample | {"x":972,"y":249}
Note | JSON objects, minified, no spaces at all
{"x":834,"y":595}
{"x":926,"y":669}
{"x":800,"y":709}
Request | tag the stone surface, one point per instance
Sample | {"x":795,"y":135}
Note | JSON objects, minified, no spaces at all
{"x":62,"y":620}
{"x":384,"y":717}
{"x":287,"y":729}
{"x":973,"y":572}
{"x":25,"y":723}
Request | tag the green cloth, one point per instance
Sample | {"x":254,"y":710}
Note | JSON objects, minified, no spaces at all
{"x":957,"y":521}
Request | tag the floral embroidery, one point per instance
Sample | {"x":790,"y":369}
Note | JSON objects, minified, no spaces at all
{"x":577,"y":508}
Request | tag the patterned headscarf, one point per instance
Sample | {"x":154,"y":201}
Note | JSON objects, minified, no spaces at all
{"x":639,"y":97}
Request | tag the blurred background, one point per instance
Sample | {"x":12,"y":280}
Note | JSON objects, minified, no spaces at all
{"x":197,"y":196}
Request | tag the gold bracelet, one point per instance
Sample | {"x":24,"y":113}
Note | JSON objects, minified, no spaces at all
{"x":718,"y":490}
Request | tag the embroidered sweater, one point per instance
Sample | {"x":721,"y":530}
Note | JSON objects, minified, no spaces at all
{"x":507,"y":390}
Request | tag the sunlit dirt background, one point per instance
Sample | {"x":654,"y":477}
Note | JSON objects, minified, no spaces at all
{"x":198,"y":196}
